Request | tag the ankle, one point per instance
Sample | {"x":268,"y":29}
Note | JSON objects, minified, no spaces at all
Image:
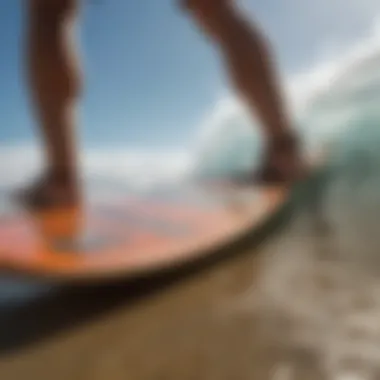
{"x":285,"y":141}
{"x":62,"y":176}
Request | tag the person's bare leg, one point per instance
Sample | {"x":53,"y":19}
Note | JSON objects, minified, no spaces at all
{"x":247,"y":56}
{"x":54,"y":84}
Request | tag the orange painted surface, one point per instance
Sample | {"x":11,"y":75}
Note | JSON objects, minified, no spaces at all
{"x":126,"y":236}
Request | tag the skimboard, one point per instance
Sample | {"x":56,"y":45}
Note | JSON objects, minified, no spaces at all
{"x":128,"y":234}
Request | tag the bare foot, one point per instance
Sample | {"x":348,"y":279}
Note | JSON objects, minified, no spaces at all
{"x":283,"y":163}
{"x":49,"y":192}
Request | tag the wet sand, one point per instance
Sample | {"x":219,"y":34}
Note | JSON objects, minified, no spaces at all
{"x":303,"y":305}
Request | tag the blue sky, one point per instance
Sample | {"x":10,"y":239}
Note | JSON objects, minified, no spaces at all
{"x":150,"y":75}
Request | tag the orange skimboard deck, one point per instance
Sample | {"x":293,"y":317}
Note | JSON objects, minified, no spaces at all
{"x":123,"y":235}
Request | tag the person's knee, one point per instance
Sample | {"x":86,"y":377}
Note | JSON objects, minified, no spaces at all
{"x":205,"y":6}
{"x":51,"y":13}
{"x":51,"y":49}
{"x":222,"y":18}
{"x":215,"y":17}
